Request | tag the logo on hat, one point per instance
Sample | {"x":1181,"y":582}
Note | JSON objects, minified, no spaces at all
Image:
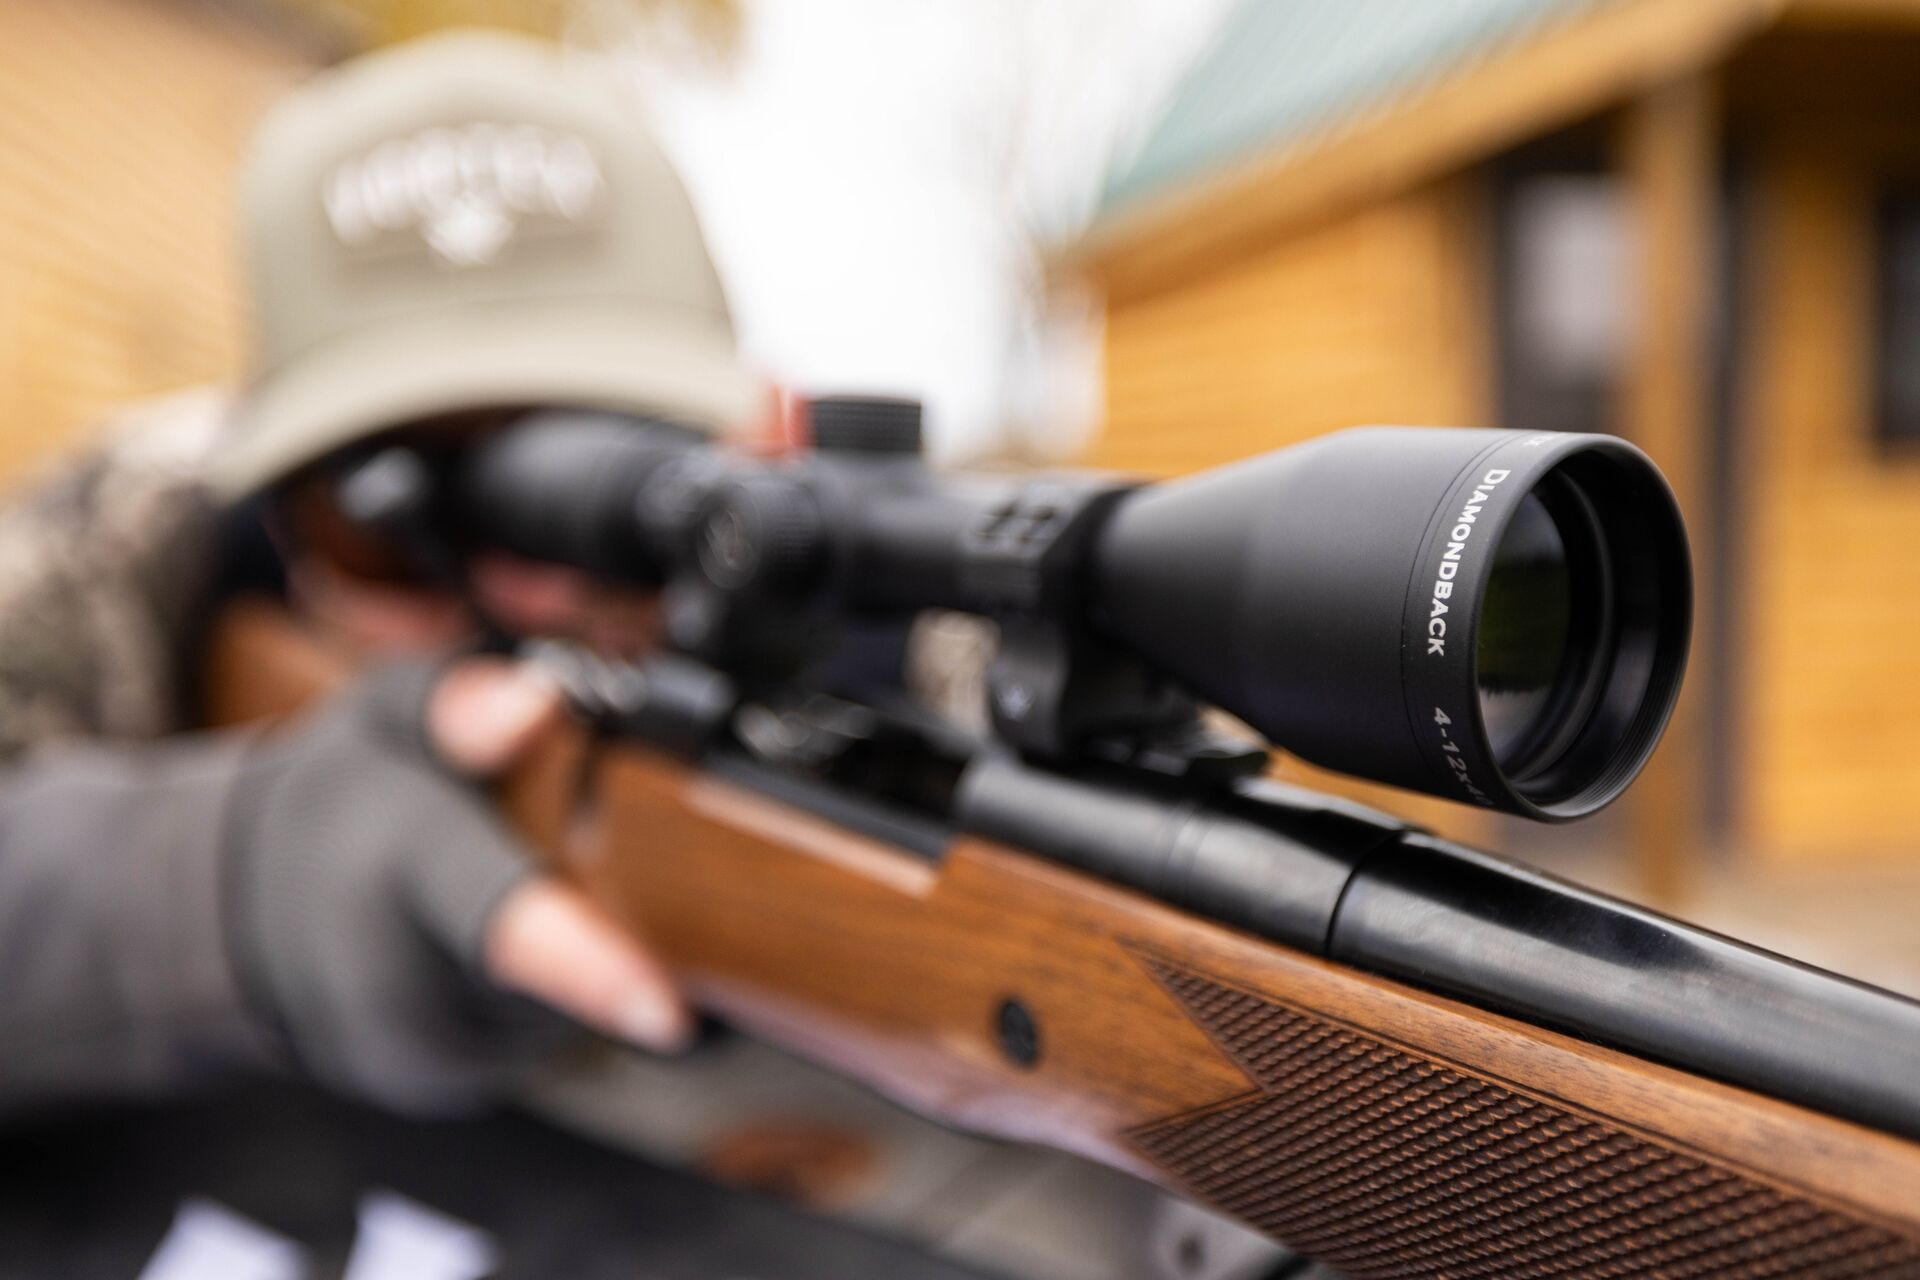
{"x":466,"y":191}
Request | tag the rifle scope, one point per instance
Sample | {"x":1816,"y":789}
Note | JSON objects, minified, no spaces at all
{"x":1495,"y":617}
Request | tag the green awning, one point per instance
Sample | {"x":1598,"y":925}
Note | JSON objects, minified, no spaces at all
{"x":1282,"y":71}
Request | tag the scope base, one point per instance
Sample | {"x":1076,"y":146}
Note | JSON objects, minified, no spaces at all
{"x":1056,"y":695}
{"x":1197,"y":753}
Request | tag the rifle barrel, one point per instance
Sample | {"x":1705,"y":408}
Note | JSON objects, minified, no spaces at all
{"x":1367,"y":890}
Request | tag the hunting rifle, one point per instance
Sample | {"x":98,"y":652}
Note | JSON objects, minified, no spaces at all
{"x":1097,"y":925}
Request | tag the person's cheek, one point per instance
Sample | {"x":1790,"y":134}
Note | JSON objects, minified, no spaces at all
{"x":375,"y":620}
{"x":527,"y":597}
{"x":623,"y":624}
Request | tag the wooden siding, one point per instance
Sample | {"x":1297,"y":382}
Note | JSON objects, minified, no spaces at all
{"x":121,"y":123}
{"x":1830,"y":735}
{"x":1377,"y":317}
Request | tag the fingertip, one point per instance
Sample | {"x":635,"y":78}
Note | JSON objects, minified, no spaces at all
{"x":651,"y":1022}
{"x":486,"y":712}
{"x":552,"y":942}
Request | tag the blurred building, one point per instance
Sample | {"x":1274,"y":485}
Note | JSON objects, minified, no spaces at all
{"x":121,"y":122}
{"x":1693,"y":222}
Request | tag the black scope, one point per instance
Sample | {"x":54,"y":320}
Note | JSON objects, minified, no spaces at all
{"x":1494,"y":617}
{"x":604,"y":492}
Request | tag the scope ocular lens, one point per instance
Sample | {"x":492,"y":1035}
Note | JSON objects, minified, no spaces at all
{"x":1576,"y":610}
{"x":1525,"y":621}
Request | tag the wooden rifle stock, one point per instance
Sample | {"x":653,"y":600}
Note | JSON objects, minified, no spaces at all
{"x":1385,"y":1130}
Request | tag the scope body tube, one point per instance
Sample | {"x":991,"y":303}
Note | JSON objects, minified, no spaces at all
{"x":887,"y":536}
{"x":896,"y":532}
{"x":1363,"y":889}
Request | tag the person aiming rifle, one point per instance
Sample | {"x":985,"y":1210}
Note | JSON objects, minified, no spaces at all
{"x":1096,"y":927}
{"x":1099,"y":927}
{"x":441,"y":238}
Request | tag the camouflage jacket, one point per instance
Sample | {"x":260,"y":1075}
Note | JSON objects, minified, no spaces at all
{"x":104,"y":563}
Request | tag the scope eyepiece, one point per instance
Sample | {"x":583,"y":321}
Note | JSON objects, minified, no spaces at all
{"x":605,"y":492}
{"x":1498,"y":617}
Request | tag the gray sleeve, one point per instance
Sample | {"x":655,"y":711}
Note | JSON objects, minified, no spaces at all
{"x":319,"y":897}
{"x":115,"y":978}
{"x":364,"y":880}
